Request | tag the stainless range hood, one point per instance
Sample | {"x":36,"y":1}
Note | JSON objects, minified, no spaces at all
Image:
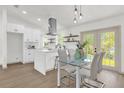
{"x":52,"y":26}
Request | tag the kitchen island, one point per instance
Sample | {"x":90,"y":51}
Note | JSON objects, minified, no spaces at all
{"x":44,"y":60}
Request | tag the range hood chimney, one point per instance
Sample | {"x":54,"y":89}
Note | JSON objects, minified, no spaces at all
{"x":52,"y":26}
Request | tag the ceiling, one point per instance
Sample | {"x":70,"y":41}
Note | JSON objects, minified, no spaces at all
{"x":65,"y":13}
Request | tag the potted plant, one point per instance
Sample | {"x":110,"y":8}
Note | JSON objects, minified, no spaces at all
{"x":80,"y":49}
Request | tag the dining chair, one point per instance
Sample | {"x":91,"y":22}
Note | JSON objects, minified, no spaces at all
{"x":63,"y":57}
{"x":88,"y":66}
{"x":71,"y":53}
{"x":100,"y":67}
{"x":100,"y":62}
{"x":91,"y":74}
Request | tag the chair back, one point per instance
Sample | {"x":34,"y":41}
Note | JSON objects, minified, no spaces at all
{"x":100,"y":61}
{"x":63,"y":56}
{"x":94,"y":66}
{"x":71,"y":53}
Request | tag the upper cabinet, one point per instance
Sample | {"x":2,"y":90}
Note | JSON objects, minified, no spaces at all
{"x":32,"y":35}
{"x":15,"y":28}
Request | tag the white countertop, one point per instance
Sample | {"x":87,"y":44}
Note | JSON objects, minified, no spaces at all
{"x":46,"y":50}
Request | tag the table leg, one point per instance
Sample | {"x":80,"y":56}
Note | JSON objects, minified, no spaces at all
{"x":58,"y":75}
{"x":77,"y":77}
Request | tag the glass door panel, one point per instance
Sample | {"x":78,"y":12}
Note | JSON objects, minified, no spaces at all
{"x":107,"y":43}
{"x":89,"y":48}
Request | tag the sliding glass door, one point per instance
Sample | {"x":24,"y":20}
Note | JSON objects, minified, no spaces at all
{"x":106,"y":40}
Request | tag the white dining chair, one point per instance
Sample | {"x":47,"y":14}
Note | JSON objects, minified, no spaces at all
{"x":88,"y":66}
{"x":100,"y":62}
{"x":91,"y":74}
{"x":63,"y":57}
{"x":100,"y":67}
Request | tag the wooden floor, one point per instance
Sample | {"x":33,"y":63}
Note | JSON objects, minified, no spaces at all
{"x":24,"y":76}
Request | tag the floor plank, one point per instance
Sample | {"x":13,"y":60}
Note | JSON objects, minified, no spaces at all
{"x":24,"y":76}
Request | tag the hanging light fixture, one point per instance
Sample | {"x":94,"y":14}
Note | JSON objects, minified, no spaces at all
{"x":80,"y":16}
{"x":76,"y":10}
{"x":77,"y":13}
{"x":75,"y":20}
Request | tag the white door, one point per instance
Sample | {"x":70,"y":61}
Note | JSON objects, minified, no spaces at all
{"x":90,"y":47}
{"x":14,"y":47}
{"x":104,"y":40}
{"x":110,"y":43}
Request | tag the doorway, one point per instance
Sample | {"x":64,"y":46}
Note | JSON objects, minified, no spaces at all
{"x":14,"y":47}
{"x":106,"y":40}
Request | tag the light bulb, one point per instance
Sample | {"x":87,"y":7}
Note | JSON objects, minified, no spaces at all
{"x":75,"y":21}
{"x":80,"y":16}
{"x":76,"y":11}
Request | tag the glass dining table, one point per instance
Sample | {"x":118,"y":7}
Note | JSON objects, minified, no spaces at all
{"x":77,"y":64}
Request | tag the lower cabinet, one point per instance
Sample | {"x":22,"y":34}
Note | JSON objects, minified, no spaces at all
{"x":44,"y":61}
{"x":29,"y":55}
{"x":50,"y":61}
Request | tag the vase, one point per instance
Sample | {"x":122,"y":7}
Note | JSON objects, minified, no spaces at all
{"x":81,"y":52}
{"x":77,"y":54}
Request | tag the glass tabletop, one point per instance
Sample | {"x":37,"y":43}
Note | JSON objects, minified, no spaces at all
{"x":78,"y":62}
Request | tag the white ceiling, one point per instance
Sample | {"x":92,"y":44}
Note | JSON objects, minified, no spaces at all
{"x":65,"y":13}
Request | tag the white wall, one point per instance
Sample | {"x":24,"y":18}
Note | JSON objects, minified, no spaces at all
{"x":0,"y":36}
{"x":3,"y":43}
{"x":14,"y":47}
{"x":114,"y":21}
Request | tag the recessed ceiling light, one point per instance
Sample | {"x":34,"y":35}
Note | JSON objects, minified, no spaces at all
{"x":38,"y":19}
{"x":24,"y":12}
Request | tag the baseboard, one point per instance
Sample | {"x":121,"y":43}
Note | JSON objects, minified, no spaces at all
{"x":49,"y":69}
{"x":13,"y":63}
{"x":27,"y":62}
{"x":122,"y":73}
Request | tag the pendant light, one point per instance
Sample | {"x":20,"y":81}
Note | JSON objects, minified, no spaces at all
{"x":75,"y":20}
{"x":76,"y":10}
{"x":80,"y":15}
{"x":77,"y":13}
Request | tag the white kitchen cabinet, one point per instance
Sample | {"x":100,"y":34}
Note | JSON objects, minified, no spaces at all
{"x":28,"y":35}
{"x":44,"y":60}
{"x":50,"y":61}
{"x":39,"y":36}
{"x":36,"y":35}
{"x":32,"y":35}
{"x":29,"y":55}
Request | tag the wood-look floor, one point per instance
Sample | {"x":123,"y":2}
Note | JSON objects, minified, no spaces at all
{"x":24,"y":76}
